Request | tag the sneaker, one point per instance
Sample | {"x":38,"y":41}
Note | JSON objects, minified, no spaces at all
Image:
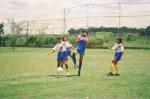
{"x":117,"y":74}
{"x":110,"y":74}
{"x":68,"y":73}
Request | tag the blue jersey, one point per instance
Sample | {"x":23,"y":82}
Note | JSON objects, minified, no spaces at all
{"x":69,"y":49}
{"x":81,"y":44}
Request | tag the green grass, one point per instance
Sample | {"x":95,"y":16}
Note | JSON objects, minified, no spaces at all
{"x":29,"y":73}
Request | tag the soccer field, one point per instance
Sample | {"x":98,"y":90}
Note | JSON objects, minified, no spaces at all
{"x":29,"y":73}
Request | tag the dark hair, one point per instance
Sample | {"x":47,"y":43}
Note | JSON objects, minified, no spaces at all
{"x":64,"y":37}
{"x":85,"y":32}
{"x":119,"y":39}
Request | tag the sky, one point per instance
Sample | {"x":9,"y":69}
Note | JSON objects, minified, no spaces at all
{"x":50,"y":9}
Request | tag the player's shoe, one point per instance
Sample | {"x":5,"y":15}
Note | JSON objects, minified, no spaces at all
{"x":68,"y":73}
{"x":110,"y":74}
{"x":117,"y":74}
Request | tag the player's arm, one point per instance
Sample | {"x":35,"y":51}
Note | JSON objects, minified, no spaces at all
{"x":73,"y":47}
{"x":122,"y":49}
{"x":53,"y":50}
{"x":70,"y":45}
{"x":113,"y":48}
{"x":78,"y":38}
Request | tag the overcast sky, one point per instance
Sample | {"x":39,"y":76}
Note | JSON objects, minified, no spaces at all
{"x":54,"y":8}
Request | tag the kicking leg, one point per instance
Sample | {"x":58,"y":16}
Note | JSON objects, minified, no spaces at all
{"x":80,"y":64}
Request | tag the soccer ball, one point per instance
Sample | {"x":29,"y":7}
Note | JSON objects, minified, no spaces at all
{"x":59,"y":69}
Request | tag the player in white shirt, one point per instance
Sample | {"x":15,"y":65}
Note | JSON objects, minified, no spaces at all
{"x":119,"y":48}
{"x":61,"y":47}
{"x":65,"y":39}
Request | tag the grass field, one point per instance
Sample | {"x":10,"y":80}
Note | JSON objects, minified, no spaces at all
{"x":29,"y":73}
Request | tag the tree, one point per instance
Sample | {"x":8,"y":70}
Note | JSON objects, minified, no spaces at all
{"x":41,"y":39}
{"x":145,"y":32}
{"x":114,"y":30}
{"x":16,"y":29}
{"x":73,"y":31}
{"x":1,"y":32}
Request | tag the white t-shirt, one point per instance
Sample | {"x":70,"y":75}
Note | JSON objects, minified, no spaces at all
{"x":69,"y":43}
{"x":118,"y":48}
{"x":62,"y":47}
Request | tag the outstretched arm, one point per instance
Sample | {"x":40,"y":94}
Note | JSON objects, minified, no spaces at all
{"x":122,"y":49}
{"x":113,"y":48}
{"x":70,"y":46}
{"x":78,"y":38}
{"x":51,"y":52}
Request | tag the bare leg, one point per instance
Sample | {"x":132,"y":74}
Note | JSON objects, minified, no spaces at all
{"x":114,"y":62}
{"x":116,"y":68}
{"x":80,"y":64}
{"x":66,"y":65}
{"x":112,"y":68}
{"x":67,"y":69}
{"x":73,"y":57}
{"x":58,"y":64}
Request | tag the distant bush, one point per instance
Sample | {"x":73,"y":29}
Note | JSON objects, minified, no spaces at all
{"x":99,"y":39}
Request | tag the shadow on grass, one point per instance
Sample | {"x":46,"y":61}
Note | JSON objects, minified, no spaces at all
{"x":60,"y":76}
{"x":21,"y":77}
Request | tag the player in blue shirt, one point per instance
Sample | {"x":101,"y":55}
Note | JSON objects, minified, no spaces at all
{"x":80,"y":48}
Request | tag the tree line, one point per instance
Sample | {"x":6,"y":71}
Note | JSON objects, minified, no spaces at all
{"x":93,"y":30}
{"x":99,"y":37}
